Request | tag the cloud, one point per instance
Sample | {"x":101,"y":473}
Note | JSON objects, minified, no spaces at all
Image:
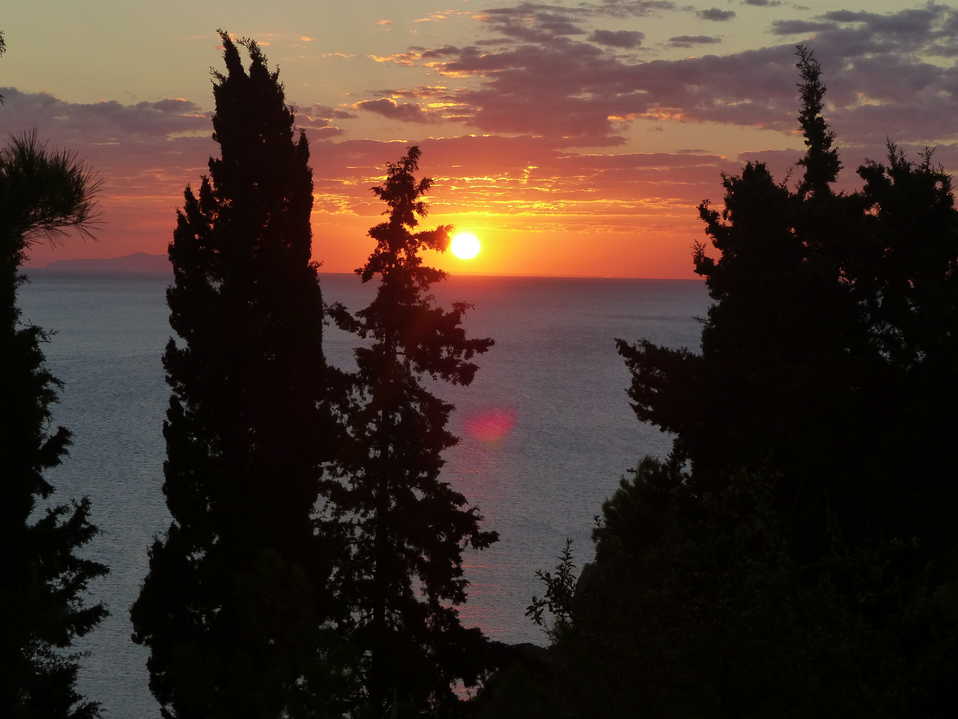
{"x":524,"y":186}
{"x":409,"y":58}
{"x":101,"y":121}
{"x":403,"y":111}
{"x":442,"y":15}
{"x":521,"y":175}
{"x":535,"y":22}
{"x":444,"y":51}
{"x":932,"y":29}
{"x":618,"y":38}
{"x":579,"y":93}
{"x":145,"y":153}
{"x":634,"y":8}
{"x":318,"y":120}
{"x":693,"y":40}
{"x":763,"y":3}
{"x":541,"y":22}
{"x":326,"y":112}
{"x":716,"y":14}
{"x":796,"y":27}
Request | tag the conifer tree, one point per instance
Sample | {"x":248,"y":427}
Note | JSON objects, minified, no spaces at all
{"x":402,"y":575}
{"x":783,"y":338}
{"x":43,"y":579}
{"x":234,"y":602}
{"x":795,"y":556}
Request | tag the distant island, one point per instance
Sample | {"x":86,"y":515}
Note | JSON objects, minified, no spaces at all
{"x":139,"y":263}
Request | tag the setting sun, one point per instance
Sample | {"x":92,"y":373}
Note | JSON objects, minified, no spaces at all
{"x":465,"y":245}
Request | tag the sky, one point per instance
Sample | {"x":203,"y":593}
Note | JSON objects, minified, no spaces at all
{"x":573,"y":138}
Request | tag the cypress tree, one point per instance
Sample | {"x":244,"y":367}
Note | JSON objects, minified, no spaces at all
{"x":43,"y":579}
{"x":782,"y":343}
{"x":234,"y":601}
{"x":816,"y":424}
{"x":402,"y":575}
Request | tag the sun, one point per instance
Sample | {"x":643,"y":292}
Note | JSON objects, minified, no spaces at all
{"x":465,"y":245}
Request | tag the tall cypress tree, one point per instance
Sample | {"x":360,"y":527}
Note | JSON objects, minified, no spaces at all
{"x":234,"y":600}
{"x":782,"y":341}
{"x":817,"y":422}
{"x":43,"y":579}
{"x":402,"y":575}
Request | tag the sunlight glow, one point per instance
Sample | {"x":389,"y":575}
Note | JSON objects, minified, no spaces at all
{"x":465,"y":245}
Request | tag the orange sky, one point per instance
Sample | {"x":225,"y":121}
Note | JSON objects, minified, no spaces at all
{"x":574,"y":138}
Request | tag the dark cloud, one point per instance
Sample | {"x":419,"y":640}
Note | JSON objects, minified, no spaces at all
{"x":932,"y":29}
{"x":535,"y":22}
{"x":716,"y":14}
{"x":403,"y":111}
{"x":796,"y":27}
{"x":634,"y":8}
{"x":763,"y":3}
{"x":326,"y":112}
{"x":542,"y":22}
{"x":693,"y":40}
{"x":846,"y":15}
{"x":618,"y":38}
{"x":578,"y":93}
{"x":444,"y":51}
{"x":100,"y":121}
{"x":318,"y":120}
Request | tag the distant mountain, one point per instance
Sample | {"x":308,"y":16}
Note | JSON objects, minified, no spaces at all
{"x":139,"y":263}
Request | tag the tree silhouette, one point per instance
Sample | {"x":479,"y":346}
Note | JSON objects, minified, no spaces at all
{"x":234,"y":603}
{"x":402,"y":575}
{"x":821,"y":161}
{"x":784,"y":346}
{"x":794,"y":556}
{"x":3,"y":49}
{"x":43,"y":580}
{"x":826,"y":353}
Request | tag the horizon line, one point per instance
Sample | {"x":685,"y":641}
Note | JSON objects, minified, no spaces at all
{"x":50,"y":267}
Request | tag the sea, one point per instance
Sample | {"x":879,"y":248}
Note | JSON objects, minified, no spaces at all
{"x":546,"y":430}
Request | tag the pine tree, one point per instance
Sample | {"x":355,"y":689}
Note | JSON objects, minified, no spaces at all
{"x":402,"y":576}
{"x":233,"y":606}
{"x":43,"y":580}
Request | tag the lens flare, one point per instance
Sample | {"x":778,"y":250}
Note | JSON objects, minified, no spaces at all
{"x":491,"y":425}
{"x":465,"y":245}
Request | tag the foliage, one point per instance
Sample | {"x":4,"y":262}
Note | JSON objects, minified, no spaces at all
{"x":45,"y":193}
{"x":699,"y":605}
{"x":401,"y":575}
{"x":827,"y":339}
{"x":235,"y":602}
{"x":44,"y":580}
{"x":559,"y":596}
{"x":795,"y":555}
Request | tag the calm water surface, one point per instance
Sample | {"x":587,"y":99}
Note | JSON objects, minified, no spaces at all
{"x":546,"y":429}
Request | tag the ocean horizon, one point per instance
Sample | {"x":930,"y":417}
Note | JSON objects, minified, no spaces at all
{"x":546,"y":430}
